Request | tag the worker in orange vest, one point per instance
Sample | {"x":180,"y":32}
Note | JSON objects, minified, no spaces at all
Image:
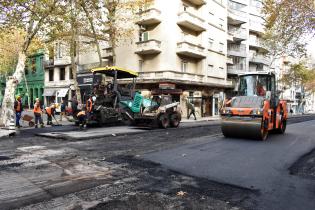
{"x":18,"y":108}
{"x":89,"y":104}
{"x":82,"y":118}
{"x":50,"y":111}
{"x":38,"y":113}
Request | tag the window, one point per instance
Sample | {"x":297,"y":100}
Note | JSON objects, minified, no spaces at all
{"x":210,"y":68}
{"x":221,"y":47}
{"x":140,"y":65}
{"x":51,"y":74}
{"x":62,"y":74}
{"x":70,"y":73}
{"x":41,"y":63}
{"x":184,"y":66}
{"x":143,"y":36}
{"x":210,"y":43}
{"x":33,"y":65}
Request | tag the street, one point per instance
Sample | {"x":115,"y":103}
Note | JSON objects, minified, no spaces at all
{"x":191,"y":167}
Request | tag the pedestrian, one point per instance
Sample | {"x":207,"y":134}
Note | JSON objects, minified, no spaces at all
{"x":18,"y":108}
{"x":74,"y":106}
{"x":291,"y":111}
{"x":50,"y":111}
{"x":63,"y":108}
{"x":191,"y":107}
{"x":38,"y":113}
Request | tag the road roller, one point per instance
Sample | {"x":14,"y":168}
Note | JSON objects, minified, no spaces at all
{"x":256,"y":110}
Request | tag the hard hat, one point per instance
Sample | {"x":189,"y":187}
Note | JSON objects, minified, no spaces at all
{"x":18,"y":97}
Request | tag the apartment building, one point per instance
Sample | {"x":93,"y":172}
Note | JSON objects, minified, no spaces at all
{"x":180,"y":45}
{"x":59,"y":83}
{"x":246,"y":50}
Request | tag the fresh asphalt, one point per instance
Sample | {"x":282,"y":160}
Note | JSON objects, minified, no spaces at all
{"x":251,"y":164}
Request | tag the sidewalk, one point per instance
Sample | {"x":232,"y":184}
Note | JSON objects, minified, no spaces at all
{"x":200,"y":119}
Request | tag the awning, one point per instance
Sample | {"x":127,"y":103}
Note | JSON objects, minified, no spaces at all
{"x":62,"y":92}
{"x":49,"y":92}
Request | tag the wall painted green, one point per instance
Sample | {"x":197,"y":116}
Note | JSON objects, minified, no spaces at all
{"x":34,"y":73}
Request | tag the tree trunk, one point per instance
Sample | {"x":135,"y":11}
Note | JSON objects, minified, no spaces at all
{"x":7,"y":112}
{"x":28,"y":91}
{"x":90,"y":19}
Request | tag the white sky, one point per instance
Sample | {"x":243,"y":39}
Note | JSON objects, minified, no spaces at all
{"x":311,"y":48}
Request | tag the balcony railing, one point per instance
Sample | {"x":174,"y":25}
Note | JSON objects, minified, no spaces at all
{"x":259,"y":59}
{"x":151,"y":46}
{"x":149,"y":17}
{"x":183,"y":77}
{"x":238,"y":33}
{"x":256,"y":26}
{"x":191,"y":50}
{"x":237,"y":50}
{"x":191,"y":21}
{"x":49,"y":62}
{"x":107,"y":52}
{"x":237,"y":16}
{"x":258,"y":43}
{"x":235,"y":69}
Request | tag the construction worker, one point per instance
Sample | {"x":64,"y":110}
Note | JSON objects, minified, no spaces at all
{"x":89,"y":106}
{"x":18,"y":108}
{"x":50,"y":111}
{"x":190,"y":107}
{"x":82,"y":118}
{"x":38,"y":113}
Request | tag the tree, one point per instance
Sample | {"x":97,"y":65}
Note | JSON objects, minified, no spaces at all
{"x":299,"y":74}
{"x":31,"y":16}
{"x":288,"y":22}
{"x":116,"y":19}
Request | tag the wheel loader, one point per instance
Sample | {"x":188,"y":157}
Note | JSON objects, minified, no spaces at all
{"x":158,"y":111}
{"x":256,"y":110}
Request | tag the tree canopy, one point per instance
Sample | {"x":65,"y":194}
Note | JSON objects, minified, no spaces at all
{"x":288,"y":23}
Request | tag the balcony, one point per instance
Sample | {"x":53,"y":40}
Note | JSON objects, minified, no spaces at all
{"x":191,"y":21}
{"x":235,"y":69}
{"x":191,"y":50}
{"x":151,"y":46}
{"x":149,"y":17}
{"x":197,"y":2}
{"x":236,"y":17}
{"x":256,"y":27}
{"x":183,"y":77}
{"x":107,"y":52}
{"x":48,"y":63}
{"x":259,"y":59}
{"x":237,"y":50}
{"x":257,"y":44}
{"x":239,"y":34}
{"x":229,"y":60}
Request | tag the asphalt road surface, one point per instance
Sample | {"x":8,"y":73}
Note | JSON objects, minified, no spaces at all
{"x":251,"y":164}
{"x":112,"y":172}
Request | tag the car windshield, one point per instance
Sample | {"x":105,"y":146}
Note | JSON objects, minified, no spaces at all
{"x":254,"y":85}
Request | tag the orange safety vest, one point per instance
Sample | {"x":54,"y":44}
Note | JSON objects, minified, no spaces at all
{"x":37,"y":108}
{"x":81,"y":113}
{"x":89,"y":105}
{"x":48,"y":110}
{"x":18,"y":107}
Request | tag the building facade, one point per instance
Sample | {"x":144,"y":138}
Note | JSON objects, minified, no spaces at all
{"x":59,"y":83}
{"x":32,"y":86}
{"x":246,"y":50}
{"x":180,"y":45}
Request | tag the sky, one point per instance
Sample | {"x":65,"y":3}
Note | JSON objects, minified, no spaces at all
{"x":311,"y":48}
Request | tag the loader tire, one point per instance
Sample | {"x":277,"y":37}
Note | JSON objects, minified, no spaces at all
{"x":175,"y":120}
{"x":164,"y":121}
